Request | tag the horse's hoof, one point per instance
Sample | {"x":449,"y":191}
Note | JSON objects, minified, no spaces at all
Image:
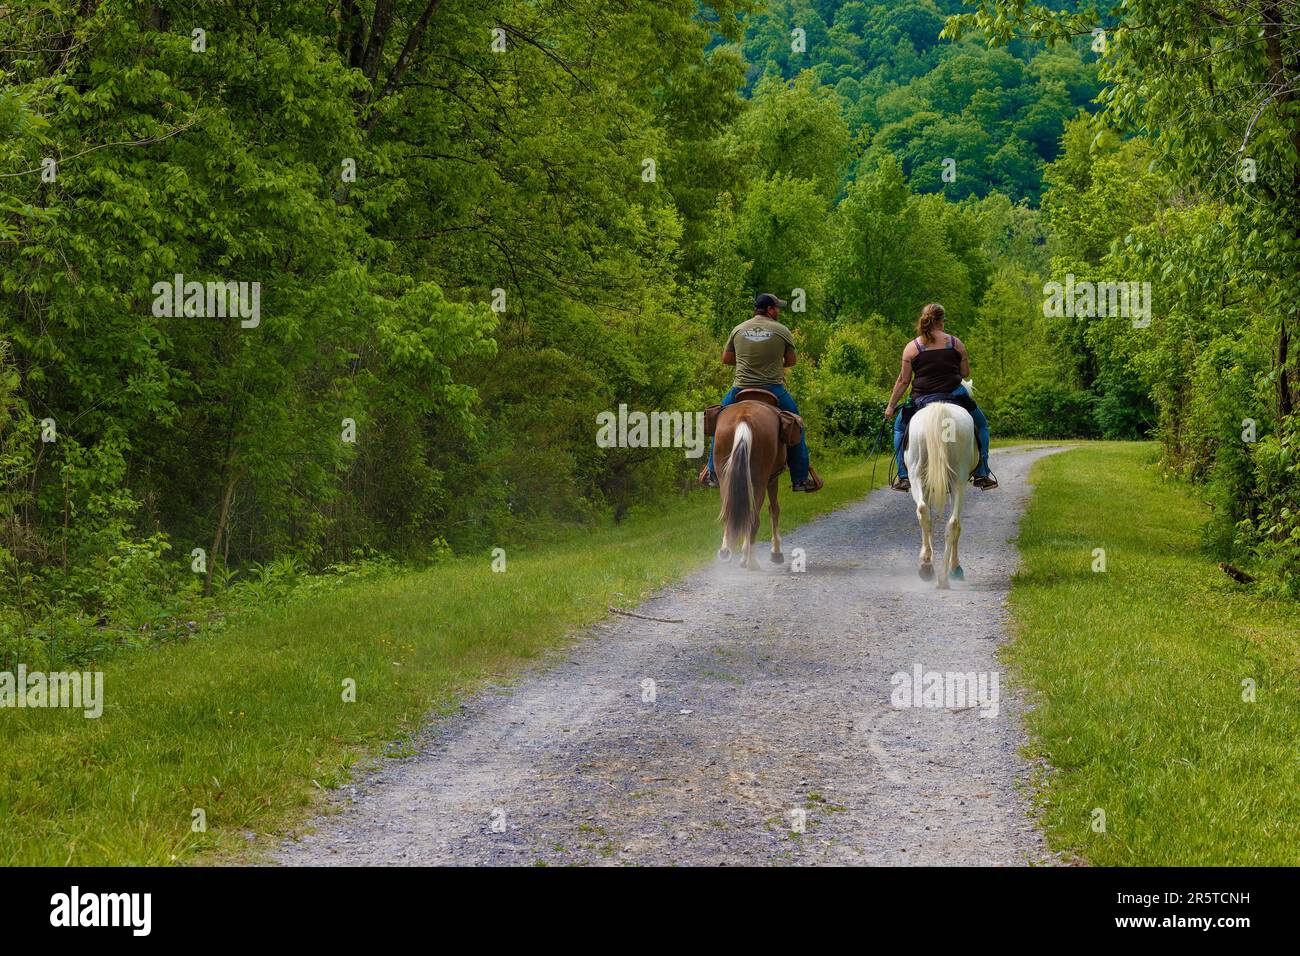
{"x":778,"y":557}
{"x":957,"y":573}
{"x":724,"y":554}
{"x":925,"y":572}
{"x":941,"y":585}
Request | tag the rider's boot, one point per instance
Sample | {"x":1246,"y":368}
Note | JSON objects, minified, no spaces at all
{"x":812,"y":483}
{"x":707,"y":478}
{"x":902,"y":483}
{"x":986,"y":481}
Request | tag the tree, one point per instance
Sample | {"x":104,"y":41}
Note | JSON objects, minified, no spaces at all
{"x":890,"y":253}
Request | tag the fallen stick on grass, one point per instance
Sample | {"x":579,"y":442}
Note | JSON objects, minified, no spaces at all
{"x":646,"y":617}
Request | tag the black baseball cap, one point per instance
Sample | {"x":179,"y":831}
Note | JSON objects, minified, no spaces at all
{"x":766,"y":300}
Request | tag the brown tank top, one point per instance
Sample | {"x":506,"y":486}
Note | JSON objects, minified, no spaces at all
{"x":936,"y":369}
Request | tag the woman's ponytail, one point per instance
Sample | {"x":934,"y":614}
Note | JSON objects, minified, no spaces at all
{"x":931,"y":316}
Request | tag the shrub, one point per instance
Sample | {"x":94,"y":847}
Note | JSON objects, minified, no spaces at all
{"x":841,"y":405}
{"x":1274,"y":534}
{"x":1124,"y":410}
{"x":1048,"y":410}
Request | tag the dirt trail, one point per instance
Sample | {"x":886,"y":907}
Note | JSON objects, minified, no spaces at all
{"x":781,"y":704}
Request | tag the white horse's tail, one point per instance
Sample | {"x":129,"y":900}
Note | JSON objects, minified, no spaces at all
{"x":939,"y":473}
{"x":737,"y":491}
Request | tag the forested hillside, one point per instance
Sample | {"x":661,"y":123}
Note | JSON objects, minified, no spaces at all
{"x":907,"y":92}
{"x":474,"y":225}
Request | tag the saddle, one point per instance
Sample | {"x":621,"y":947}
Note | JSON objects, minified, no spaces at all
{"x":910,"y":409}
{"x":791,"y":424}
{"x":757,"y":395}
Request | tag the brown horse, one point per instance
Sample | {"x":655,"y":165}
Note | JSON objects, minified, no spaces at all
{"x":748,"y":444}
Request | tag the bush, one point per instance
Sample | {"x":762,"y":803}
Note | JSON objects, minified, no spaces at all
{"x":1214,"y":443}
{"x":854,"y":420}
{"x":1048,"y":410}
{"x":1274,"y":534}
{"x":1124,"y":410}
{"x":848,"y":353}
{"x":841,"y":405}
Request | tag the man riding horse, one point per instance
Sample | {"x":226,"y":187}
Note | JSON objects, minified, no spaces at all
{"x":762,"y":349}
{"x":934,"y":364}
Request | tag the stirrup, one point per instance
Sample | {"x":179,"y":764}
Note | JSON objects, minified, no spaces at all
{"x":810,"y":484}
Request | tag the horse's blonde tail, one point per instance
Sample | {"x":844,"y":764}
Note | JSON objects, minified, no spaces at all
{"x":737,"y":490}
{"x":939,"y":473}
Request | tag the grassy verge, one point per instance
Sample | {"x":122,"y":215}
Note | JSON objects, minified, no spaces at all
{"x":247,"y":723}
{"x":1138,"y":675}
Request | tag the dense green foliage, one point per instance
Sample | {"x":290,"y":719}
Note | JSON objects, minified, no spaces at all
{"x":996,"y":112}
{"x":473,"y":227}
{"x":1200,"y":198}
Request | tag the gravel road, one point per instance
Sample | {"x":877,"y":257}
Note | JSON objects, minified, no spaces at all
{"x":772,"y":714}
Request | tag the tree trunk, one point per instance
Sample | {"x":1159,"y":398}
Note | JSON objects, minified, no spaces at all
{"x":373,"y":56}
{"x":222,"y":521}
{"x":1276,"y":28}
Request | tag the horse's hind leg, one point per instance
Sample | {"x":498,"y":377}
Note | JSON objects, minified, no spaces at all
{"x":751,"y":538}
{"x":925,"y":567}
{"x":774,"y":510}
{"x":942,"y":582}
{"x":722,"y":444}
{"x":954,"y":534}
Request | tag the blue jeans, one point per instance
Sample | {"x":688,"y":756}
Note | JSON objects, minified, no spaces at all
{"x":981,"y":434}
{"x":796,"y":455}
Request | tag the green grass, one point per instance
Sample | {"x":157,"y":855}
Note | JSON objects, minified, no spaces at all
{"x":1137,"y":674}
{"x":248,"y":723}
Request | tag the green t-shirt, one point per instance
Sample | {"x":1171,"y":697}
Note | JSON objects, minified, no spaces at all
{"x":760,"y":346}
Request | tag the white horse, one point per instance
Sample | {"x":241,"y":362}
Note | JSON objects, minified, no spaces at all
{"x":941,"y":454}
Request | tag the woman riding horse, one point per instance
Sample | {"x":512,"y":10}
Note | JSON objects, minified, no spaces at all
{"x":934,"y":364}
